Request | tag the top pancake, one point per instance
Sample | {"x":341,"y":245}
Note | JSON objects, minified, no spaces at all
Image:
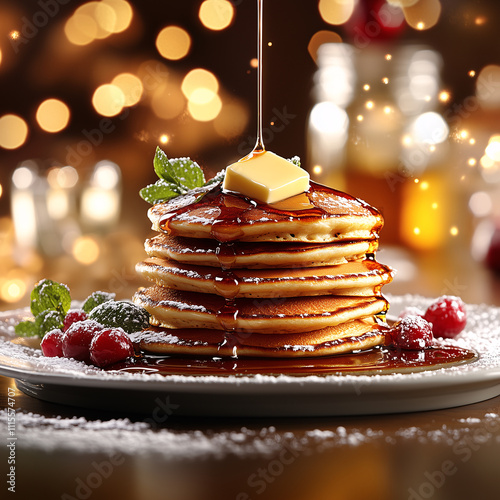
{"x":321,"y":214}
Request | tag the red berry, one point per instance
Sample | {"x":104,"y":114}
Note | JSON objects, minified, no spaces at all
{"x":73,"y":316}
{"x":76,"y":341}
{"x":52,"y":343}
{"x":447,"y":315}
{"x":412,"y":332}
{"x":110,"y":346}
{"x":492,"y":258}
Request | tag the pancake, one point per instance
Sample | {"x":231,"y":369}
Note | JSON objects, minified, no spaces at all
{"x":178,"y":309}
{"x":321,"y":214}
{"x":206,"y":252}
{"x":358,"y":278}
{"x":354,"y":335}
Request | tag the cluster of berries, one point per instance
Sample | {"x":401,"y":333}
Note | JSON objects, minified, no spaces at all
{"x":416,"y":329}
{"x":87,"y":340}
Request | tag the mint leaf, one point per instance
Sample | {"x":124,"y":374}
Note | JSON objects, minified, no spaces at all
{"x":160,"y":191}
{"x":97,"y":298}
{"x":176,"y":177}
{"x":50,"y":295}
{"x":186,"y":173}
{"x":49,"y":320}
{"x":26,"y":329}
{"x":295,"y":160}
{"x":182,"y":172}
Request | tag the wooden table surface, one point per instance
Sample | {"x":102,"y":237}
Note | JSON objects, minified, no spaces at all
{"x":444,"y":454}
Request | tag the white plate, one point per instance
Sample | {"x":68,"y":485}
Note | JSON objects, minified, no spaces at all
{"x":71,"y":382}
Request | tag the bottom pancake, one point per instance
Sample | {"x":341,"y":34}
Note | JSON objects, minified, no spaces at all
{"x":355,"y":335}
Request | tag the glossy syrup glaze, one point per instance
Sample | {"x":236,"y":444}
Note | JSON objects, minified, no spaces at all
{"x":226,"y":212}
{"x":379,"y":360}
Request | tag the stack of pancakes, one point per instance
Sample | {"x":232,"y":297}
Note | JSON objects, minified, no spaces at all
{"x":235,"y":277}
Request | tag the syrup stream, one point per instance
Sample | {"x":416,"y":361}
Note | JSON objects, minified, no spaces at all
{"x":259,"y":145}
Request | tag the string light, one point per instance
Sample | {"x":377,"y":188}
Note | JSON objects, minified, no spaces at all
{"x":444,"y":96}
{"x":13,"y":131}
{"x":336,"y":11}
{"x":216,"y":14}
{"x":108,"y":100}
{"x":173,"y":42}
{"x":52,"y":115}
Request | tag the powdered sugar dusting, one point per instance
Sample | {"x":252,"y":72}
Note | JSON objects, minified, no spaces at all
{"x":142,"y":438}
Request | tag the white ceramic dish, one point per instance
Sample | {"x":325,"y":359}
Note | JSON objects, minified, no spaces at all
{"x":70,"y":382}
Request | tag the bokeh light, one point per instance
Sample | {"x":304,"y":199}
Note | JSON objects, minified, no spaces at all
{"x":423,"y":14}
{"x":319,"y":38}
{"x":108,"y":100}
{"x":336,"y":11}
{"x":52,"y":115}
{"x":131,"y":86}
{"x":173,"y":43}
{"x":13,"y":131}
{"x":216,"y":14}
{"x":199,"y":79}
{"x":430,"y":128}
{"x":12,"y":289}
{"x":204,"y":105}
{"x":487,"y":93}
{"x":123,"y":14}
{"x":493,"y":148}
{"x":81,"y":28}
{"x":86,"y":250}
{"x":62,"y":177}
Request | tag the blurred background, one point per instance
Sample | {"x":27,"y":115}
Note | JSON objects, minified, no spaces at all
{"x":395,"y":101}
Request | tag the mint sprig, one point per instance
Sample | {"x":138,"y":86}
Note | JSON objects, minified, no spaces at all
{"x":51,"y":301}
{"x":176,"y":176}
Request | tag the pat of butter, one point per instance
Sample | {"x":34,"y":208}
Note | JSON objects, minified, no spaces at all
{"x":266,"y":177}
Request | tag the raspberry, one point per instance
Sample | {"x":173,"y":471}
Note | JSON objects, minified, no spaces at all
{"x":73,"y":316}
{"x":76,"y":340}
{"x":447,"y":315}
{"x":52,"y":343}
{"x":412,"y":332}
{"x":110,"y":346}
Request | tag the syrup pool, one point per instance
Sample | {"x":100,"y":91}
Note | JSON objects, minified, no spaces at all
{"x":376,"y":361}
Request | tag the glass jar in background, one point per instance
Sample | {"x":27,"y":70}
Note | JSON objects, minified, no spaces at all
{"x":376,"y":131}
